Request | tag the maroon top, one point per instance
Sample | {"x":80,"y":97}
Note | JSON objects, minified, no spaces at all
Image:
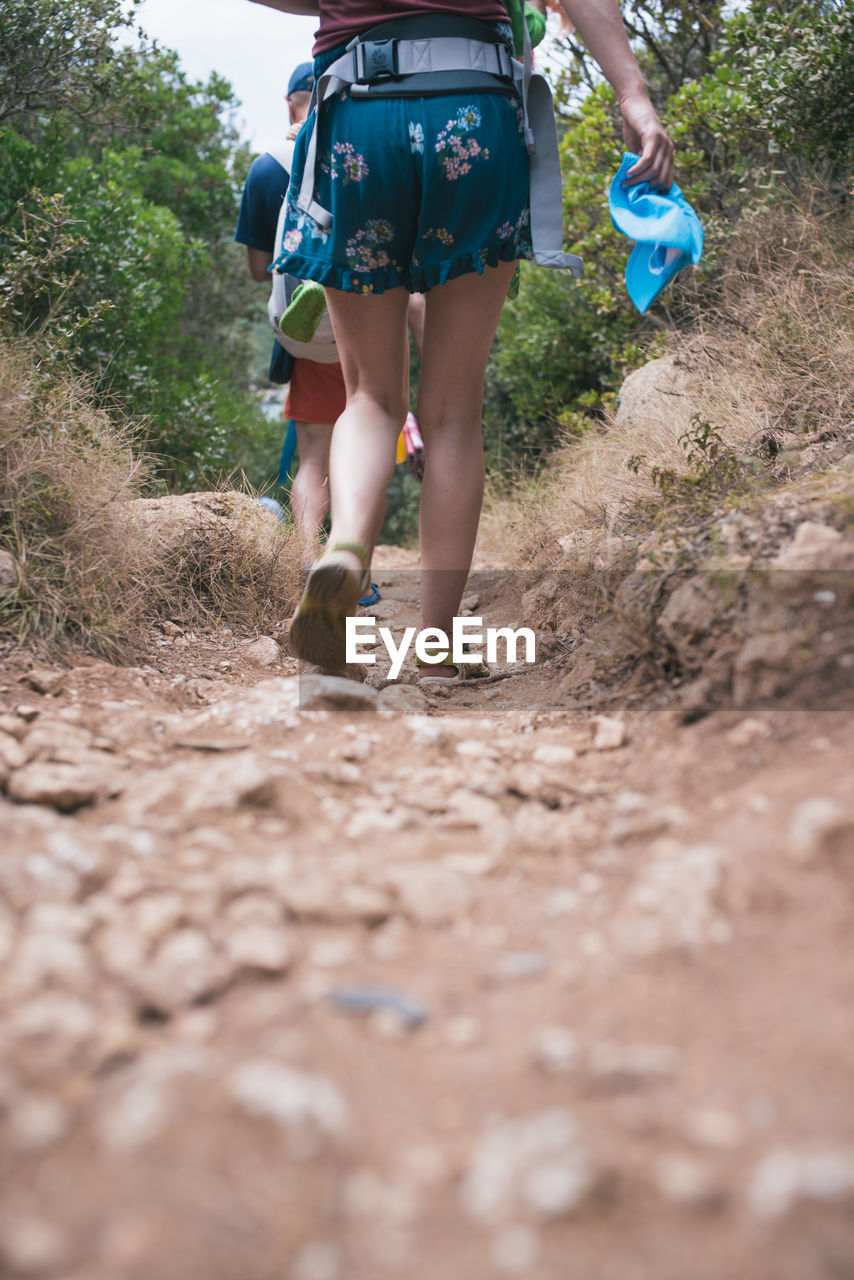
{"x":340,"y":20}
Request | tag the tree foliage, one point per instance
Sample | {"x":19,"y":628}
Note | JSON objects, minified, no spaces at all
{"x":122,"y":181}
{"x":756,"y":104}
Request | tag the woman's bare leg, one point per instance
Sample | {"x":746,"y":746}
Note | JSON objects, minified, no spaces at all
{"x":310,"y":486}
{"x":460,"y":322}
{"x":374,"y":345}
{"x":461,"y":318}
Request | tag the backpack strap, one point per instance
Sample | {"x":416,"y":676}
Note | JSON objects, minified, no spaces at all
{"x":371,"y":66}
{"x":546,"y":188}
{"x":284,"y":154}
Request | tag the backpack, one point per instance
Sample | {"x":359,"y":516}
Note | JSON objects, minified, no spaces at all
{"x":322,"y":348}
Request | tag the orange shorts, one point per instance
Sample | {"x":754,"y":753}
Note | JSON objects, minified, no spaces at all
{"x":316,"y":393}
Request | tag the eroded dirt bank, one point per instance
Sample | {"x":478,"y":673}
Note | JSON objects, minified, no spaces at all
{"x":393,"y":986}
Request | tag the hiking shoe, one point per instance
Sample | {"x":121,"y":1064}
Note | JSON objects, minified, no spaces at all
{"x":331,"y":596}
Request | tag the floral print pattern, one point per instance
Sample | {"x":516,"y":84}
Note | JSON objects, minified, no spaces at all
{"x":459,"y":208}
{"x":344,"y":162}
{"x":456,"y":146}
{"x":517,"y":231}
{"x":364,"y":250}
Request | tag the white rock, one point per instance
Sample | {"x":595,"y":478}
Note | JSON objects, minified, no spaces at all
{"x":684,"y":1180}
{"x":429,"y":893}
{"x":714,"y":1127}
{"x":610,"y":733}
{"x":12,"y":754}
{"x":309,"y":1107}
{"x":244,"y":873}
{"x":54,"y":1015}
{"x":79,"y":850}
{"x":154,"y":914}
{"x":400,"y":699}
{"x":335,"y":694}
{"x":319,"y":897}
{"x":784,"y":1177}
{"x":187,"y":792}
{"x":184,"y":968}
{"x":748,"y":731}
{"x":532,"y":1162}
{"x":556,"y":1050}
{"x":254,"y":908}
{"x":426,"y":731}
{"x":62,"y":786}
{"x":554,"y":753}
{"x":625,"y":1066}
{"x":259,"y":947}
{"x":815,"y":546}
{"x":628,"y":802}
{"x":470,"y":864}
{"x":562,"y":902}
{"x":263,"y":652}
{"x":671,"y":902}
{"x":121,"y":952}
{"x":43,"y":957}
{"x":373,"y":819}
{"x":133,"y":1119}
{"x":519,"y":966}
{"x":556,"y":1187}
{"x":59,"y":917}
{"x":331,"y":953}
{"x":37,"y":1120}
{"x":817,"y":826}
{"x":462,"y":1031}
{"x":31,"y":1245}
{"x":8,"y":573}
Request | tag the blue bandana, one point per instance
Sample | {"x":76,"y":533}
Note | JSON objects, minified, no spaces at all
{"x":667,"y":230}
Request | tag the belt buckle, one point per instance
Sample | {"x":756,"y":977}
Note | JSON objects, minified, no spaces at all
{"x":376,"y":60}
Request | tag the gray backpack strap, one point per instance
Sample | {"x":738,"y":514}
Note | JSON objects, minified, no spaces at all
{"x":546,"y":188}
{"x":362,"y":61}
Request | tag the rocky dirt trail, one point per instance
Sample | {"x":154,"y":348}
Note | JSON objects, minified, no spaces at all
{"x":367,"y":983}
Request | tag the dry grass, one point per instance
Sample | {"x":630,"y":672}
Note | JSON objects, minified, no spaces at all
{"x":225,"y":556}
{"x":776,"y":355}
{"x":95,"y":565}
{"x":770,"y":364}
{"x":66,"y":475}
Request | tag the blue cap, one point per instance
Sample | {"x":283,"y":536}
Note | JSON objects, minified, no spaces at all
{"x":667,"y":230}
{"x":302,"y":79}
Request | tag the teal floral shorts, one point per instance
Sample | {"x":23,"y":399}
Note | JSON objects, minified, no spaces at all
{"x":421,"y":190}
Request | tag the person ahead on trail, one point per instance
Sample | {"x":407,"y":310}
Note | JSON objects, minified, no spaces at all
{"x":428,"y":191}
{"x":316,"y":393}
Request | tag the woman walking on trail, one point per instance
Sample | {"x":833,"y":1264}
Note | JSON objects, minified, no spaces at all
{"x":426,"y":178}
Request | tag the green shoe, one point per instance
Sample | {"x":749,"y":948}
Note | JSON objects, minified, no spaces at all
{"x":319,"y":627}
{"x":304,"y":311}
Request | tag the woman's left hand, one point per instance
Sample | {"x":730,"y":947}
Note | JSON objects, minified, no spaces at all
{"x":645,"y":135}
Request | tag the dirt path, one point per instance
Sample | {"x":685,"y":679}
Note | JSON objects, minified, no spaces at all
{"x":468,"y":986}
